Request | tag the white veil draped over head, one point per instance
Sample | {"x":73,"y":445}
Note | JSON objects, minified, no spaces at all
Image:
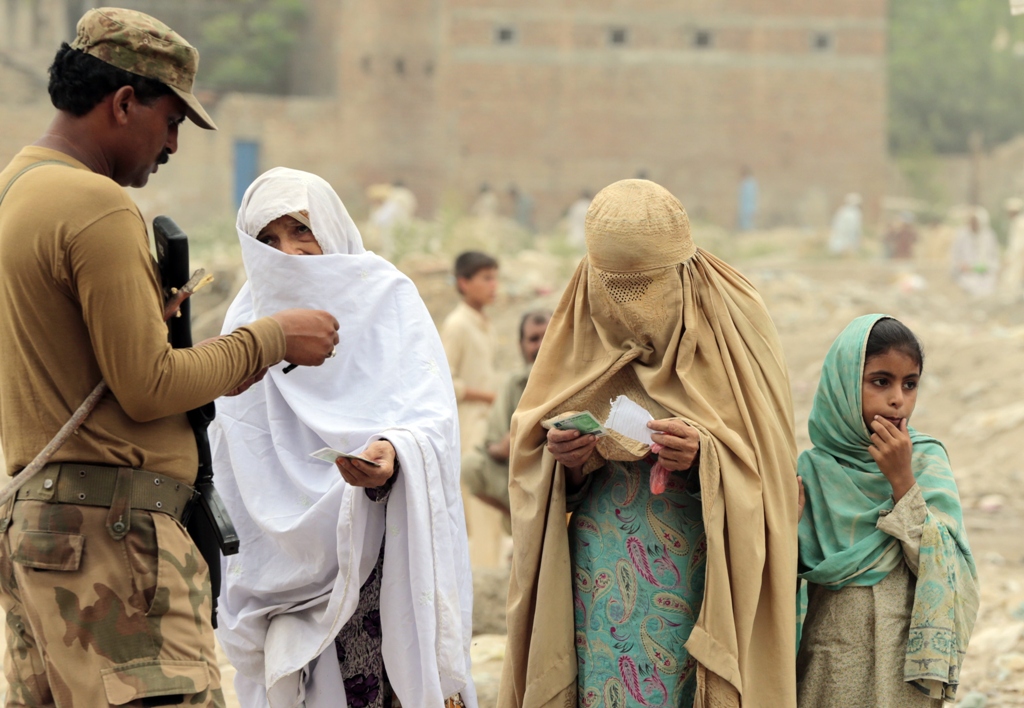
{"x":309,"y":540}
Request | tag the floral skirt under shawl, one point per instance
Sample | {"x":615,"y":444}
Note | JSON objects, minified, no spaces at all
{"x":638,"y":582}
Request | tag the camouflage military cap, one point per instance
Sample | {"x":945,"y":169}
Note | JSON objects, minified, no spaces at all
{"x":145,"y":46}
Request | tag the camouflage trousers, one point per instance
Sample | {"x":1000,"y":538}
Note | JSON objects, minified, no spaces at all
{"x":95,"y":622}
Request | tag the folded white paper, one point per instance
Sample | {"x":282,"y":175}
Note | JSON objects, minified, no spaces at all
{"x":629,"y":419}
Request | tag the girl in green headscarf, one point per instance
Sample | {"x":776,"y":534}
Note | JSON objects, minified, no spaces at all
{"x":892,"y":586}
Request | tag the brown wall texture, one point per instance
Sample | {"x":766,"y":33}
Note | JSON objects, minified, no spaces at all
{"x":560,"y":95}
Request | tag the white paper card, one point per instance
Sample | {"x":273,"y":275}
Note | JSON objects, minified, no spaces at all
{"x":629,"y":419}
{"x":1017,"y":7}
{"x":329,"y":455}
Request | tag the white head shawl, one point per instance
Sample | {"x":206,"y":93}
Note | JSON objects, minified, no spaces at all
{"x":282,"y":191}
{"x":309,"y":540}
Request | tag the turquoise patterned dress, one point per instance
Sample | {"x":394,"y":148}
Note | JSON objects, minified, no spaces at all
{"x":638,"y":581}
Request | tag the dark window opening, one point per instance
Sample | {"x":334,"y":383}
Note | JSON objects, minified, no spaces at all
{"x":822,"y":41}
{"x":505,"y":35}
{"x":618,"y":35}
{"x":366,"y":63}
{"x":399,"y":66}
{"x":703,"y":39}
{"x":428,"y":68}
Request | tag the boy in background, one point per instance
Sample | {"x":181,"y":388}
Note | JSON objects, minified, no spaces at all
{"x":470,"y":344}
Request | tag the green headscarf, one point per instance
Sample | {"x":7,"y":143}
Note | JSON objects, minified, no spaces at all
{"x":845,"y":492}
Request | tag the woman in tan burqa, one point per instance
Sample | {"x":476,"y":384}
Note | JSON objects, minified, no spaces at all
{"x":674,"y":599}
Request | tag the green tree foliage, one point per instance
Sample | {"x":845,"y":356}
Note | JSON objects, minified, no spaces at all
{"x":955,"y":66}
{"x":247,"y":45}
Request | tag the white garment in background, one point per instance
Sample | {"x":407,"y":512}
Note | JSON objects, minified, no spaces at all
{"x":1013,"y":264}
{"x":309,"y":540}
{"x":577,"y":218}
{"x":395,"y":211}
{"x":975,"y":260}
{"x":846,"y":230}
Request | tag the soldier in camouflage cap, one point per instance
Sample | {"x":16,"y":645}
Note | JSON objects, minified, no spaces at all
{"x":144,"y":46}
{"x":107,"y":598}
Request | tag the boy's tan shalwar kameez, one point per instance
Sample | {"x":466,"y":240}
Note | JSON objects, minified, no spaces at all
{"x":470,"y":345}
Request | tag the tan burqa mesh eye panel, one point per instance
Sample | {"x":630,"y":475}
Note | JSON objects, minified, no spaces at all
{"x":625,"y":287}
{"x":643,"y":307}
{"x":649,"y":316}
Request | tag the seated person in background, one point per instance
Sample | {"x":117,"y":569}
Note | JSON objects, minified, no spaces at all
{"x":485,"y":469}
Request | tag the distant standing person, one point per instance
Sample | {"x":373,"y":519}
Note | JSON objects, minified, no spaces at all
{"x":485,"y":206}
{"x":847,"y":224}
{"x":485,"y":470}
{"x":396,"y":207}
{"x":470,"y":345}
{"x":748,"y":194}
{"x":1013,"y":266}
{"x":522,"y":208}
{"x":975,"y":255}
{"x":577,"y":218}
{"x":901,"y":237}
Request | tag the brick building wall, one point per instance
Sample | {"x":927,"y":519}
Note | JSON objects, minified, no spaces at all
{"x":558,"y":96}
{"x":555,"y":96}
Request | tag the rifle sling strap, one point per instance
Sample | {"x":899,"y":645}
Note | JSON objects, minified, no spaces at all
{"x":27,"y":169}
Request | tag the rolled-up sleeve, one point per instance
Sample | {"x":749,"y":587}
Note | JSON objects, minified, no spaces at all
{"x":114,"y":277}
{"x":905,"y":522}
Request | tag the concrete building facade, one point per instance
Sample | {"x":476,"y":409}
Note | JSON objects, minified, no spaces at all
{"x":554,"y":96}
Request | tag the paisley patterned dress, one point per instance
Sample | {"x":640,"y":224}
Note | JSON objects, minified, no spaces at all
{"x":638,"y":583}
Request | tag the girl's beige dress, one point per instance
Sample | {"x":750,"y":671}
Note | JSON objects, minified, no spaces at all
{"x":855,"y":639}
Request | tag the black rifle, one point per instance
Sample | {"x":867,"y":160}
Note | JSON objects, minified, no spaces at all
{"x":211,"y":528}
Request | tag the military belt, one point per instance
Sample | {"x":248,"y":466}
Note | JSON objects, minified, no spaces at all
{"x":122,"y":488}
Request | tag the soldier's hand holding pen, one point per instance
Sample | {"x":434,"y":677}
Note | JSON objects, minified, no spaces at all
{"x":310,"y":335}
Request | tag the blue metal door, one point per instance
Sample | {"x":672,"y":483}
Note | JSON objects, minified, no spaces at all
{"x":247,"y":167}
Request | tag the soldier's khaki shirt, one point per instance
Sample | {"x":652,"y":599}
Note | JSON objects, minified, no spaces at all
{"x":80,"y":300}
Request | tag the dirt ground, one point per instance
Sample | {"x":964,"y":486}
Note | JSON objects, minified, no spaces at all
{"x":972,"y":398}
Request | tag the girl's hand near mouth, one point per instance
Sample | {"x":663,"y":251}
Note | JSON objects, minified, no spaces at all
{"x":892,"y":450}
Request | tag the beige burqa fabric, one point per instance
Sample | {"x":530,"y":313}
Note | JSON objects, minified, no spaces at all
{"x":650,"y":315}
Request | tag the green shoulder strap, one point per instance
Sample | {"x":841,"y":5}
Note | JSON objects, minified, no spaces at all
{"x":30,"y":167}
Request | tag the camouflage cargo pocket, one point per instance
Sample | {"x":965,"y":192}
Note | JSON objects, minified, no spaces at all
{"x":154,"y":678}
{"x":49,"y":550}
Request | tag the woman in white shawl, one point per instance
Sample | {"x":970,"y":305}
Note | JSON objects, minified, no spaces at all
{"x":317,"y":610}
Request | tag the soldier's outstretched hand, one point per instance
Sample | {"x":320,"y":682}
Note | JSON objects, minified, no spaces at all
{"x":310,"y":335}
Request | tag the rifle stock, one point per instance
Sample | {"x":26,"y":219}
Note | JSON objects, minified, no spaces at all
{"x":211,"y":528}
